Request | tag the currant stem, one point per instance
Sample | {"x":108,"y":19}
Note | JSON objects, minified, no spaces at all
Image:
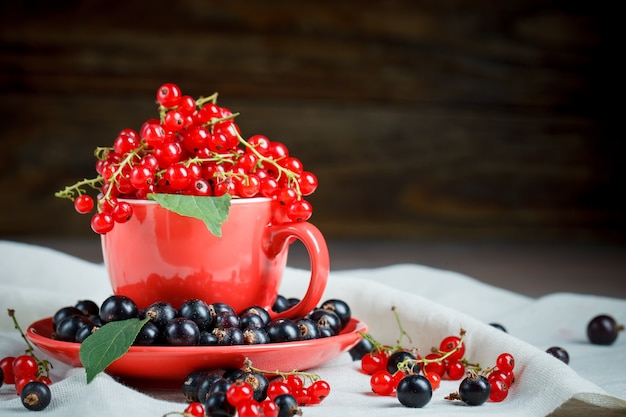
{"x":68,"y":192}
{"x":409,"y":364}
{"x":44,"y":364}
{"x":310,"y":376}
{"x":402,"y":331}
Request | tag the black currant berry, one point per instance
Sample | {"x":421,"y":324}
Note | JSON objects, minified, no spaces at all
{"x":88,"y":308}
{"x":160,"y":313}
{"x":84,"y":332}
{"x":1,"y":377}
{"x":217,"y":405}
{"x":283,"y":330}
{"x":233,"y":374}
{"x":197,"y":311}
{"x":340,"y":308}
{"x":255,"y":337}
{"x":63,"y":313}
{"x":474,"y":390}
{"x":559,"y":353}
{"x":326,"y":318}
{"x":150,"y":334}
{"x":396,"y":358}
{"x":118,"y":307}
{"x":206,"y":384}
{"x":68,"y":327}
{"x":361,"y":349}
{"x":191,"y":383}
{"x":258,"y":311}
{"x":229,"y":336}
{"x":36,"y":396}
{"x":181,"y":332}
{"x":308,"y":329}
{"x":207,"y":339}
{"x":259,"y":384}
{"x":217,"y":308}
{"x":603,"y":330}
{"x":226,"y":319}
{"x":287,"y":405}
{"x":280,"y":304}
{"x":251,"y":321}
{"x":414,"y":391}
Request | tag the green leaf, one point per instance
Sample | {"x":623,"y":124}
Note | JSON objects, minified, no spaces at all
{"x":107,"y":344}
{"x":213,"y":211}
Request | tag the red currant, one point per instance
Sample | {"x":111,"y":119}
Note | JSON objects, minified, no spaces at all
{"x":307,"y":182}
{"x":499,"y":391}
{"x":122,"y":212}
{"x":177,"y":177}
{"x":299,"y":211}
{"x":83,"y":204}
{"x":168,"y":95}
{"x":434,"y":379}
{"x":195,"y":409}
{"x":455,"y":370}
{"x":270,"y":409}
{"x":239,"y":392}
{"x":153,"y":133}
{"x":141,"y":177}
{"x":102,"y":223}
{"x":450,"y":344}
{"x":505,"y":362}
{"x":374,"y":361}
{"x":6,"y":364}
{"x":276,"y":388}
{"x":382,"y":383}
{"x":25,"y":366}
{"x":319,"y":390}
{"x":249,"y":186}
{"x":250,"y":408}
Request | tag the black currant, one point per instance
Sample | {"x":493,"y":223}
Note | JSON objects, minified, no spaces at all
{"x":84,"y":332}
{"x":206,"y":384}
{"x":559,"y":353}
{"x":228,"y":336}
{"x":287,"y":405}
{"x":118,"y":307}
{"x":181,"y":332}
{"x":280,"y":304}
{"x":326,"y":318}
{"x":36,"y":396}
{"x":68,"y":327}
{"x":414,"y":391}
{"x":340,"y":308}
{"x":160,"y":313}
{"x":217,"y":308}
{"x":325,"y":332}
{"x":283,"y":330}
{"x":1,"y":377}
{"x":88,"y":308}
{"x":150,"y":334}
{"x":226,"y":319}
{"x":191,"y":383}
{"x":251,"y":321}
{"x":255,"y":337}
{"x":197,"y":311}
{"x":63,"y":313}
{"x":308,"y":329}
{"x":397,"y":358}
{"x":207,"y":338}
{"x":361,"y":349}
{"x":233,"y":374}
{"x":603,"y":330}
{"x":259,"y":384}
{"x":474,"y":390}
{"x":216,"y":405}
{"x":258,"y":311}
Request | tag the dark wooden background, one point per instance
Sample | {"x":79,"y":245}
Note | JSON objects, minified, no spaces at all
{"x":462,"y":119}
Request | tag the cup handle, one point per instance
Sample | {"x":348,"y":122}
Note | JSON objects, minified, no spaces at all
{"x":279,"y":236}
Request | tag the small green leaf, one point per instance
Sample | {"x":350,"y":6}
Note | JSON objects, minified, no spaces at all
{"x":213,"y":211}
{"x":107,"y":344}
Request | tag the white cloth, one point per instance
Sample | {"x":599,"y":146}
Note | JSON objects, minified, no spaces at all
{"x":432,"y":304}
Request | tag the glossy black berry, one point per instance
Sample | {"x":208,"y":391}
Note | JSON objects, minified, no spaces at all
{"x":63,"y":313}
{"x":280,"y":304}
{"x":414,"y":391}
{"x":68,"y":327}
{"x":206,"y":385}
{"x":84,"y":332}
{"x":559,"y":353}
{"x":197,"y":311}
{"x":118,"y":307}
{"x":474,"y":390}
{"x":251,"y":321}
{"x":225,"y":319}
{"x":228,"y":336}
{"x":160,"y":313}
{"x":217,"y":308}
{"x":207,"y":339}
{"x":308,"y":329}
{"x":36,"y":396}
{"x":283,"y":330}
{"x":259,"y":384}
{"x":258,"y":311}
{"x":88,"y":308}
{"x":216,"y":405}
{"x":191,"y":383}
{"x":255,"y":337}
{"x":361,"y":349}
{"x":326,"y":318}
{"x":181,"y":332}
{"x":396,"y":358}
{"x":603,"y":330}
{"x":340,"y":308}
{"x":1,"y":377}
{"x":287,"y":405}
{"x":149,"y":335}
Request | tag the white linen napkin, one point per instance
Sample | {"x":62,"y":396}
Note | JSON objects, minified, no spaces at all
{"x":432,"y":304}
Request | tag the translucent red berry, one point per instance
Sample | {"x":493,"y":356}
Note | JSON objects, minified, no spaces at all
{"x":83,"y":204}
{"x":168,"y":95}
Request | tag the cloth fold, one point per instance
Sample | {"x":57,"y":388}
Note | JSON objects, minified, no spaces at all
{"x":430,"y":303}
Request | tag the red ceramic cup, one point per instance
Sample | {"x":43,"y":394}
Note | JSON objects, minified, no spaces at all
{"x":159,"y":255}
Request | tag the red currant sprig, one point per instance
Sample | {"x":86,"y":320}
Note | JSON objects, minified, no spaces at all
{"x":193,"y":148}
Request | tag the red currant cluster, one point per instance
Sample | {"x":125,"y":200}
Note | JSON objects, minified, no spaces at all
{"x":29,"y":374}
{"x":249,"y":393}
{"x":193,"y":148}
{"x":396,"y":370}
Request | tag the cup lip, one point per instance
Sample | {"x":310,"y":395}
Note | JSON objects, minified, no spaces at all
{"x":234,"y":200}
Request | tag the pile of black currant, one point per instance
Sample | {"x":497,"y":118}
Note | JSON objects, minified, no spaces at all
{"x":197,"y":323}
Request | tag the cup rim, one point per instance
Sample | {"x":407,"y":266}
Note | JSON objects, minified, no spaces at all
{"x":234,"y":200}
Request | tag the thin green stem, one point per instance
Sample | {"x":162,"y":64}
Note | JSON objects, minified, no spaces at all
{"x":43,"y":364}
